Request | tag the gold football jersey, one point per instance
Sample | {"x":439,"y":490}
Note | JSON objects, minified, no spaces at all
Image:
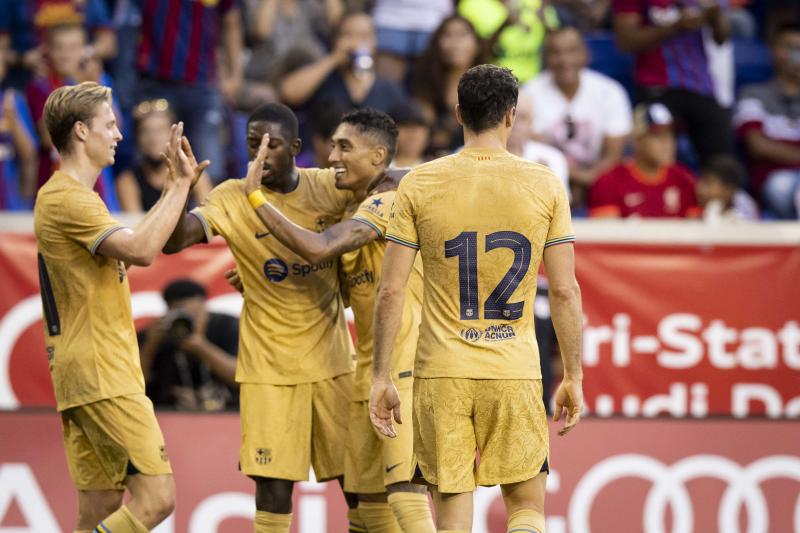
{"x":481,"y":220}
{"x":89,"y":331}
{"x":362,"y":275}
{"x":292,"y":326}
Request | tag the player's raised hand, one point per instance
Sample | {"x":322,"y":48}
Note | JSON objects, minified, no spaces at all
{"x":569,"y":402}
{"x":234,"y":280}
{"x":255,"y":168}
{"x":198,"y":169}
{"x":384,"y":404}
{"x":178,"y":164}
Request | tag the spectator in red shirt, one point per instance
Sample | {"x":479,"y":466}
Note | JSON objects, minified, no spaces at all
{"x":672,"y":67}
{"x":768,"y":122}
{"x":652,"y":184}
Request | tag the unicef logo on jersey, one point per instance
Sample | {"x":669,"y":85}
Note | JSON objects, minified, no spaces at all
{"x":471,"y":334}
{"x":276,"y":270}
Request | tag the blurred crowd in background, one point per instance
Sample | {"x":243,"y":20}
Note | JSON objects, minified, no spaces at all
{"x":650,"y":108}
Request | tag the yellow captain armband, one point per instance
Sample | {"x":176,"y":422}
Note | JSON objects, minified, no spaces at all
{"x":256,"y":199}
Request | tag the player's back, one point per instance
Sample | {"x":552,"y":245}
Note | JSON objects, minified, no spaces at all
{"x":89,"y":332}
{"x":481,"y":219}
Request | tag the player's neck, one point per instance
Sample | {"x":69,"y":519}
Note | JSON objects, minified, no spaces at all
{"x":80,"y":168}
{"x":369,"y":185}
{"x":286,"y":184}
{"x":486,"y":139}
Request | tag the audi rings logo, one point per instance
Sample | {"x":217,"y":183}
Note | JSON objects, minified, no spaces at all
{"x":276,"y":270}
{"x":669,"y":490}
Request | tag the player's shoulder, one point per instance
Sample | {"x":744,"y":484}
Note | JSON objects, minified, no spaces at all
{"x":226,"y":192}
{"x":318,"y":176}
{"x":433,"y":169}
{"x":527,"y":171}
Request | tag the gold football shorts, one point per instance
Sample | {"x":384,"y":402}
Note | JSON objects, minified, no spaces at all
{"x":107,"y":440}
{"x":478,"y":431}
{"x":372,"y":461}
{"x":288,"y":428}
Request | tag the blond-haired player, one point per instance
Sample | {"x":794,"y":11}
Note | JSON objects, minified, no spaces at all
{"x":482,"y":220}
{"x":364,"y":145}
{"x":295,"y":359}
{"x":111,"y":435}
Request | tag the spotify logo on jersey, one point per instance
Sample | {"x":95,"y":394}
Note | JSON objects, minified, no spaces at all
{"x":276,"y":270}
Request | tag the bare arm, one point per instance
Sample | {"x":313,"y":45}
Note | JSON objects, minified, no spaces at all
{"x":298,"y":86}
{"x":130,"y":198}
{"x":23,"y":145}
{"x":141,"y":245}
{"x":221,"y":363}
{"x":334,"y":9}
{"x":264,"y":18}
{"x":631,"y":36}
{"x":720,"y":24}
{"x":565,"y":310}
{"x":311,"y":246}
{"x":104,"y":45}
{"x":314,"y":247}
{"x":202,"y":188}
{"x":613,"y":149}
{"x":232,"y":45}
{"x":762,"y":147}
{"x":398,"y":261}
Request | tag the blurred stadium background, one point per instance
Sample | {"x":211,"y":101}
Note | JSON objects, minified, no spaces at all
{"x":692,"y":332}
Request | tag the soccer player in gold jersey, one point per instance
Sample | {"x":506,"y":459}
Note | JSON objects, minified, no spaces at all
{"x":111,"y":435}
{"x":364,"y":145}
{"x":295,"y":359}
{"x":482,"y":220}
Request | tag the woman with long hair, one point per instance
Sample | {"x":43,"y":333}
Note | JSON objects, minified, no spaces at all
{"x":140,"y":187}
{"x":454,"y":48}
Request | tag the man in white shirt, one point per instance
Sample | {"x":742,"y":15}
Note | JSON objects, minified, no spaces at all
{"x":522,"y":144}
{"x":585,"y":114}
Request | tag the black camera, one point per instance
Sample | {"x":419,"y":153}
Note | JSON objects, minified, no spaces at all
{"x":181,"y":324}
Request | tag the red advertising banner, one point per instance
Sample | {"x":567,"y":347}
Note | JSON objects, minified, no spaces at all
{"x":691,"y":330}
{"x":647,"y":476}
{"x":684,"y":331}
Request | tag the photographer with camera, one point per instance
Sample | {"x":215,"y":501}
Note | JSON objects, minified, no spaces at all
{"x":189,"y":355}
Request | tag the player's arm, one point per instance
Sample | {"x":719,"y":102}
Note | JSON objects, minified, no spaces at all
{"x":141,"y":245}
{"x":311,"y":246}
{"x":398,"y":261}
{"x":565,"y":309}
{"x":188,"y":230}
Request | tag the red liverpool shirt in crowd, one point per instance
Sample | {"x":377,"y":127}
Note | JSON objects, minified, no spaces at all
{"x":626,"y":191}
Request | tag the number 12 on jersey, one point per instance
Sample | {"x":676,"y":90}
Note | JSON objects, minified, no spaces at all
{"x":496,"y":306}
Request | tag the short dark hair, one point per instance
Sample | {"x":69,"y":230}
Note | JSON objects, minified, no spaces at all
{"x":278,"y":113}
{"x":375,"y":123}
{"x":181,"y":289}
{"x":728,"y":169}
{"x":485,"y":94}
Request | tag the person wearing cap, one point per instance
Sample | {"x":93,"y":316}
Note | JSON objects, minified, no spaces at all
{"x":651,"y":184}
{"x":413,"y":134}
